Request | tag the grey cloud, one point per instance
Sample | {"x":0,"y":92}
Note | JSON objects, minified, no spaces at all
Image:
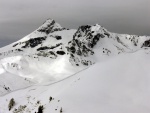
{"x":19,"y":18}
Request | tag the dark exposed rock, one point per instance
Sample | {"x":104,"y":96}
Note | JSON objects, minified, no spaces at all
{"x":48,"y":28}
{"x":11,"y":104}
{"x":84,"y":40}
{"x":46,"y":54}
{"x":57,"y":45}
{"x":15,"y":45}
{"x":84,"y":62}
{"x":40,"y":109}
{"x":43,"y":48}
{"x":69,"y":42}
{"x":83,"y":47}
{"x":146,"y":43}
{"x":77,"y":64}
{"x":72,"y":49}
{"x":71,"y":55}
{"x":85,"y":50}
{"x":61,"y":110}
{"x":84,"y":28}
{"x":94,"y":41}
{"x":19,"y":50}
{"x":52,"y":47}
{"x":33,"y":42}
{"x":134,"y":41}
{"x":50,"y":98}
{"x":102,"y":36}
{"x":61,"y":52}
{"x":58,"y":37}
{"x":79,"y":52}
{"x":57,"y":29}
{"x":52,"y":53}
{"x":92,"y":32}
{"x":107,"y":34}
{"x":119,"y":41}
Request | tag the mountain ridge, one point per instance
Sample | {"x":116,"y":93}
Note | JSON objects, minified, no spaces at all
{"x":56,"y":52}
{"x":84,"y":70}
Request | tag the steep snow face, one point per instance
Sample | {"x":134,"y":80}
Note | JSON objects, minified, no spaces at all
{"x":49,"y":26}
{"x":90,"y":43}
{"x":46,"y":56}
{"x":52,"y":53}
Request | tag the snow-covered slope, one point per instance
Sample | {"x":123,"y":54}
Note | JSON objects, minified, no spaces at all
{"x":52,"y":60}
{"x":112,"y":86}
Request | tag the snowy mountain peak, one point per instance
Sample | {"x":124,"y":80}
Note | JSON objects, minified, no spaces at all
{"x":56,"y":53}
{"x":52,"y":64}
{"x":50,"y":26}
{"x":49,"y":20}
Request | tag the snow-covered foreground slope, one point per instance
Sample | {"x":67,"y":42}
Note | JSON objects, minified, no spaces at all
{"x":118,"y":85}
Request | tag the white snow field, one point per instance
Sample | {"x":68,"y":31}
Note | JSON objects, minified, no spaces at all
{"x":89,"y":70}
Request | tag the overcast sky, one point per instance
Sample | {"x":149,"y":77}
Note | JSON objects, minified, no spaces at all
{"x":20,"y":17}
